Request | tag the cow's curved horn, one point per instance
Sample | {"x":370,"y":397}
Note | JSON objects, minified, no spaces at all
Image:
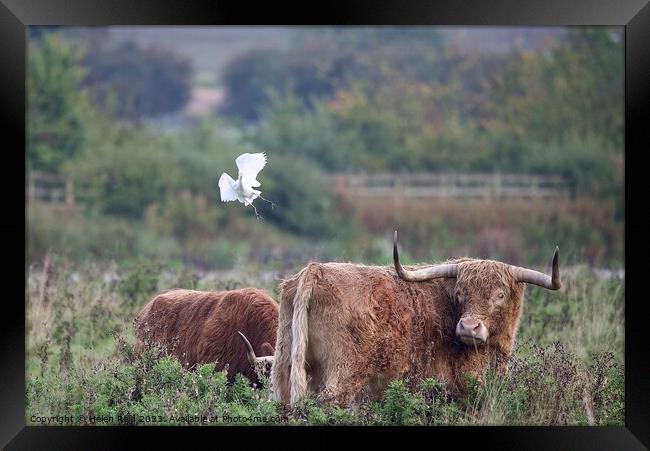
{"x":420,"y":275}
{"x":252,"y":358}
{"x":537,"y":278}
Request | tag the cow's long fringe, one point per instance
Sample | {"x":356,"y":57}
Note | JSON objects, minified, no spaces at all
{"x":299,"y":336}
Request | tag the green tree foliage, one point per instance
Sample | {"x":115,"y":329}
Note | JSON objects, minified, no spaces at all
{"x":249,"y":78}
{"x":136,"y":82}
{"x":574,"y":89}
{"x":127,"y":171}
{"x":370,"y":53}
{"x":246,"y":78}
{"x":553,"y":110}
{"x":58,"y":112}
{"x":130,"y":168}
{"x":324,"y":60}
{"x":564,"y":109}
{"x":303,"y":197}
{"x":287,"y":128}
{"x":591,"y":67}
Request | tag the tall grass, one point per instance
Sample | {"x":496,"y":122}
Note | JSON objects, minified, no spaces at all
{"x":587,"y":315}
{"x":521,"y":233}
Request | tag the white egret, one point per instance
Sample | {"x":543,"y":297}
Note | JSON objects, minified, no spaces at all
{"x":249,"y":165}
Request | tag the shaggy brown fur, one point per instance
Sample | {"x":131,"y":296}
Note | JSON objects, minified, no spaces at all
{"x":345,"y":331}
{"x":201,"y":327}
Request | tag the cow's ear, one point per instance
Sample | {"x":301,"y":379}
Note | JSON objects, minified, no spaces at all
{"x":267,"y":349}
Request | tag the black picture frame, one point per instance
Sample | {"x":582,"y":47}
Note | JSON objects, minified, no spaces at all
{"x":634,"y":15}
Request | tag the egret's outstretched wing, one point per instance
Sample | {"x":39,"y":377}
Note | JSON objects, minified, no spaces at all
{"x":225,"y":186}
{"x":251,"y":164}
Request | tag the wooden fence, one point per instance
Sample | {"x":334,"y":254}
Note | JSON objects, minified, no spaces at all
{"x":453,"y":185}
{"x":50,"y":188}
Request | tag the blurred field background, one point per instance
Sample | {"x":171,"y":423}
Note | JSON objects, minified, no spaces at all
{"x":487,"y":142}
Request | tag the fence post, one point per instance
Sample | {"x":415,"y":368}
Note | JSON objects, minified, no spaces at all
{"x":399,"y":184}
{"x":535,"y":188}
{"x":31,"y":188}
{"x":69,"y":191}
{"x":496,"y":195}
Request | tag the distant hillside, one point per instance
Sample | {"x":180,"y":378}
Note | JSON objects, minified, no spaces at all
{"x":501,"y":39}
{"x":210,"y":48}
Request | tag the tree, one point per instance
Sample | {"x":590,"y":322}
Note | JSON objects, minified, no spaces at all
{"x":322,"y":61}
{"x":249,"y":78}
{"x":140,"y":82}
{"x":305,"y":201}
{"x":590,"y":65}
{"x":574,"y":89}
{"x":58,"y":110}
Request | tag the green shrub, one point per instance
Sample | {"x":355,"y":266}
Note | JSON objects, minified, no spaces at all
{"x":140,"y":283}
{"x":167,"y":374}
{"x":400,"y":406}
{"x":303,"y":200}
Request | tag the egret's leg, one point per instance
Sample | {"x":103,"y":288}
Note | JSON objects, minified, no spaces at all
{"x":266,"y":200}
{"x":257,"y":215}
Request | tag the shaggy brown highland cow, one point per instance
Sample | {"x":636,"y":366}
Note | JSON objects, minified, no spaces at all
{"x":345,"y":331}
{"x":202,"y":327}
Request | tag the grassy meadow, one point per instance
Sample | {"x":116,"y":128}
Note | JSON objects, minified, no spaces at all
{"x":567,"y":368}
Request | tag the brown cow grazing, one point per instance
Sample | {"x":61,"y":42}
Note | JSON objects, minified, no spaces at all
{"x":345,"y":331}
{"x":205,"y":326}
